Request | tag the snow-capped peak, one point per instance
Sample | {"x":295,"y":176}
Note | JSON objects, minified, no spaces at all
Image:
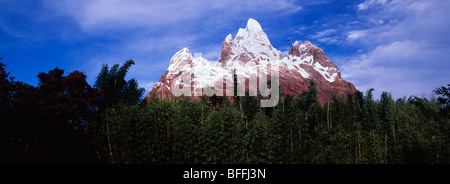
{"x":250,"y":43}
{"x":229,"y":38}
{"x":180,"y":60}
{"x":252,"y":24}
{"x":310,"y":55}
{"x":180,"y":55}
{"x":249,"y":54}
{"x":253,"y":32}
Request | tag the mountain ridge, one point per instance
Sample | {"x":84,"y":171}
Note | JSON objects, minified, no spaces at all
{"x":246,"y":54}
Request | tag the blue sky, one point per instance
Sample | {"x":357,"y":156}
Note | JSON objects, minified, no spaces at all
{"x":399,"y":46}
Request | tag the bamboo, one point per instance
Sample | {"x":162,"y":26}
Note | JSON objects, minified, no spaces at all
{"x":202,"y":114}
{"x":356,"y":148}
{"x":331,"y":122}
{"x":394,"y":130}
{"x":168,"y":137}
{"x":328,"y":114}
{"x":385,"y":147}
{"x":359,"y":106}
{"x":299,"y":133}
{"x":109,"y":141}
{"x":103,"y":128}
{"x":292,"y":147}
{"x":359,"y":146}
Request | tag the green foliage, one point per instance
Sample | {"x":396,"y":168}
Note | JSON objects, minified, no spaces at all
{"x":257,"y":141}
{"x":445,"y":94}
{"x":48,"y":123}
{"x":386,"y":114}
{"x":64,"y":119}
{"x":115,"y":88}
{"x":250,"y":106}
{"x":299,"y":130}
{"x":444,"y":99}
{"x":370,"y":111}
{"x":142,"y":138}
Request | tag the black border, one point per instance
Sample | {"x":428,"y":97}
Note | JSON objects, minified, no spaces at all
{"x":274,"y":173}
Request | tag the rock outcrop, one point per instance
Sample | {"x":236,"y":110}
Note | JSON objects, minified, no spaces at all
{"x":248,"y":54}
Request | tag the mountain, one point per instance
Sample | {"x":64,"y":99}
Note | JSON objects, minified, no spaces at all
{"x":249,"y":54}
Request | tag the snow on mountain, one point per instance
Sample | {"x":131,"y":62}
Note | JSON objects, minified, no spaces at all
{"x":248,"y":54}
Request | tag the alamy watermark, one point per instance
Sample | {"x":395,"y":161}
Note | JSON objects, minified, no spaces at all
{"x":194,"y":82}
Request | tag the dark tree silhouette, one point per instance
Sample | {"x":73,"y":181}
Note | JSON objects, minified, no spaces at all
{"x":444,"y":99}
{"x":115,"y":88}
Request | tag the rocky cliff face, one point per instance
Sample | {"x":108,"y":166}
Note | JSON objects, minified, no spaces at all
{"x":248,"y":54}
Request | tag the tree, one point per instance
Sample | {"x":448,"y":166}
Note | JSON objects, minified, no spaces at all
{"x":8,"y":129}
{"x":257,"y":140}
{"x":444,"y":92}
{"x":221,"y":130}
{"x":48,"y":123}
{"x":370,"y":111}
{"x":114,"y":87}
{"x":311,"y":95}
{"x":309,"y":107}
{"x":6,"y":88}
{"x":386,"y":113}
{"x":69,"y":101}
{"x":444,"y":99}
{"x":65,"y":105}
{"x":250,"y":106}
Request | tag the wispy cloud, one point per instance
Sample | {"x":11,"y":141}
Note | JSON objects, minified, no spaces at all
{"x":408,"y":54}
{"x":393,"y":45}
{"x":151,"y":31}
{"x":403,"y":68}
{"x":97,"y":15}
{"x":353,"y":35}
{"x":11,"y":32}
{"x":323,"y":33}
{"x":327,"y":36}
{"x":368,"y":3}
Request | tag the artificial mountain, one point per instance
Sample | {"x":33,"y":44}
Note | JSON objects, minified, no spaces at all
{"x":246,"y":54}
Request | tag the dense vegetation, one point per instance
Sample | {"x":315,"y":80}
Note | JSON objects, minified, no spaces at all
{"x":64,"y":119}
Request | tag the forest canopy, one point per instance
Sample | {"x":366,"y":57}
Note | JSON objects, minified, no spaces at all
{"x":66,"y":120}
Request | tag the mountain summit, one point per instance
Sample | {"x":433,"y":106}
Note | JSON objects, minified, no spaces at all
{"x":250,"y":49}
{"x":249,"y":44}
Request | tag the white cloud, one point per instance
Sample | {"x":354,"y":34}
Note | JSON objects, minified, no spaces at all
{"x":327,"y":36}
{"x":151,"y":31}
{"x":97,"y":15}
{"x":403,"y":68}
{"x":403,"y":44}
{"x":368,"y":3}
{"x":300,"y":30}
{"x":353,"y":35}
{"x":324,"y":33}
{"x":115,"y":13}
{"x":329,"y":40}
{"x":406,"y":54}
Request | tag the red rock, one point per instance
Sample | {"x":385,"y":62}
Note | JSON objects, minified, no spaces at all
{"x":251,"y":48}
